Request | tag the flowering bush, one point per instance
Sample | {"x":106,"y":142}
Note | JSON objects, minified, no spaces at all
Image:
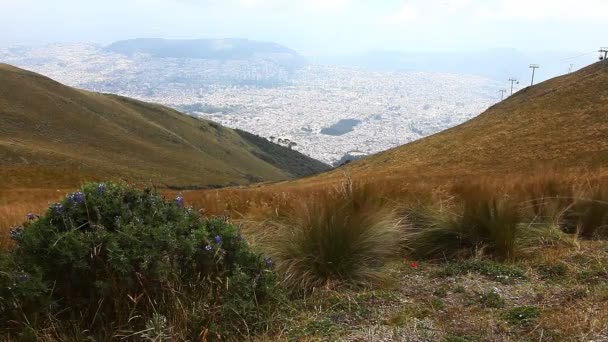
{"x":111,"y":257}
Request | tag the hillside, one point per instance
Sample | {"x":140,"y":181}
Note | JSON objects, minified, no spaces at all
{"x":54,"y":135}
{"x":562,"y":122}
{"x":296,"y":163}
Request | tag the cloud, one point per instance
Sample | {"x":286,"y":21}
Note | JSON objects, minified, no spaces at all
{"x":404,"y":15}
{"x":543,"y":10}
{"x":495,"y":11}
{"x":296,"y":5}
{"x":329,"y":5}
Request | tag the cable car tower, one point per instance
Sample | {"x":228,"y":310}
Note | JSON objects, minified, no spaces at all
{"x":603,"y":53}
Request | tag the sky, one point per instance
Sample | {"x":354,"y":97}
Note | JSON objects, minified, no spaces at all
{"x":318,"y":27}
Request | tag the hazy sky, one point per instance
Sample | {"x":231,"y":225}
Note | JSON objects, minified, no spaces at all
{"x":318,"y":27}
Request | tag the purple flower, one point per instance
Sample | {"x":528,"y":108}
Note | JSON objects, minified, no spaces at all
{"x":16,"y":233}
{"x":101,"y":188}
{"x":179,"y":200}
{"x":217,"y":239}
{"x":58,"y":207}
{"x":76,"y":197}
{"x":208,"y":248}
{"x":268,"y":262}
{"x":31,"y":217}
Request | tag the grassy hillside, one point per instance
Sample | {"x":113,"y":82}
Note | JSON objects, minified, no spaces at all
{"x":283,"y":158}
{"x":561,"y":123}
{"x":54,"y":135}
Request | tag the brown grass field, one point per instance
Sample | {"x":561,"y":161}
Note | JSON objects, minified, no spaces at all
{"x":561,"y":277}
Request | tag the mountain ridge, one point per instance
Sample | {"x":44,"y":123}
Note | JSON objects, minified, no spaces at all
{"x":559,"y":123}
{"x":229,"y":48}
{"x":49,"y":126}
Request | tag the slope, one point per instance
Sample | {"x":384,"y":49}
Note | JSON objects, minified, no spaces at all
{"x":562,"y":122}
{"x":54,"y":135}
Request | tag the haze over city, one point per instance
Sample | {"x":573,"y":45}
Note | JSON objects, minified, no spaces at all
{"x":317,"y":27}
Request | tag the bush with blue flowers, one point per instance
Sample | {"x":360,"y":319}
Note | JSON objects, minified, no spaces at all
{"x":113,"y":261}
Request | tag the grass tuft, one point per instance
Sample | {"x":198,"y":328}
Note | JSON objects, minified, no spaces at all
{"x":339,"y":238}
{"x":590,"y":213}
{"x":478,"y":222}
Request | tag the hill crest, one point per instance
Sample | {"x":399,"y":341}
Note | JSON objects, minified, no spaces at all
{"x":562,"y":122}
{"x":50,"y":131}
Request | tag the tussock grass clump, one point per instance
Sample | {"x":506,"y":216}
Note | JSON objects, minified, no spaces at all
{"x":111,"y":261}
{"x":340,"y":237}
{"x":589,"y":212}
{"x":575,"y":206}
{"x":474,"y":222}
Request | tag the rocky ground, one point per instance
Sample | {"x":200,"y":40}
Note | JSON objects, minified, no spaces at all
{"x":555,"y":293}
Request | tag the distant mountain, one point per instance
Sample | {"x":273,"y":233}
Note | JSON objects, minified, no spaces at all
{"x":52,"y":135}
{"x":560,"y":123}
{"x":498,"y":64}
{"x":221,"y":49}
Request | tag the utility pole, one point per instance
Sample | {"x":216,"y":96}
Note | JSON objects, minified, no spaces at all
{"x":513,"y":80}
{"x":533,"y":67}
{"x":604,"y":51}
{"x":502,"y":94}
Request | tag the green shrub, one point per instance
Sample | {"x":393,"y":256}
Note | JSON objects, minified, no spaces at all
{"x":339,"y":238}
{"x":116,"y":259}
{"x":477,"y":222}
{"x":552,"y":271}
{"x":501,"y":272}
{"x":522,"y":315}
{"x":492,"y":299}
{"x":437,"y":304}
{"x":440,"y":292}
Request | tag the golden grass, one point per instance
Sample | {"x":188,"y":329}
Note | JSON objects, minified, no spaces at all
{"x":343,"y":237}
{"x":15,"y":204}
{"x":560,"y":123}
{"x":533,"y":191}
{"x":564,"y":316}
{"x":536,"y":193}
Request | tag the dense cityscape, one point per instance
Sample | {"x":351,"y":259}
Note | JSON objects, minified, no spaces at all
{"x":331,"y":113}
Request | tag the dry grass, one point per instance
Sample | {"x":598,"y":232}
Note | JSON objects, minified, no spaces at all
{"x":15,"y":204}
{"x":474,"y":225}
{"x":572,"y":307}
{"x":561,"y":123}
{"x":342,"y":237}
{"x":543,"y":197}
